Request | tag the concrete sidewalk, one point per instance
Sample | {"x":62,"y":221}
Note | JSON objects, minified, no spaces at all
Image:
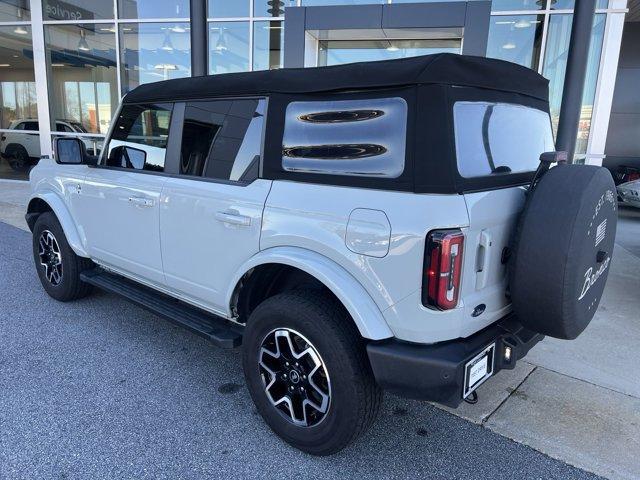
{"x":576,"y":401}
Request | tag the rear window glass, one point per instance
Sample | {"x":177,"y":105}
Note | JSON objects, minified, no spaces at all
{"x":346,"y":137}
{"x":499,"y":138}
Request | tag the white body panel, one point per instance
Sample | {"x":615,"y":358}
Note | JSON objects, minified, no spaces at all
{"x":315,"y":218}
{"x":119,"y":213}
{"x":208,"y":230}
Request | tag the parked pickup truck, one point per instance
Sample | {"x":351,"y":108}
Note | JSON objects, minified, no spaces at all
{"x":403,"y":225}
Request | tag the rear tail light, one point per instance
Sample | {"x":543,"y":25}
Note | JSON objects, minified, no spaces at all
{"x":442,"y":269}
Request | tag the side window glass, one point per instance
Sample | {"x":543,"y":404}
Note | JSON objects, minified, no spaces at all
{"x":61,"y":127}
{"x":222,"y":139}
{"x":139,"y":139}
{"x":30,"y":126}
{"x":364,"y":138}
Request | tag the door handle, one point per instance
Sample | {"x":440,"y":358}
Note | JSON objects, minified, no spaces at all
{"x":141,"y":201}
{"x":233,"y":218}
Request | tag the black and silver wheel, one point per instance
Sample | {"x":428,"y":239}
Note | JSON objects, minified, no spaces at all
{"x":57,"y":264}
{"x":50,"y":257}
{"x":307,"y":371}
{"x":19,"y":160}
{"x":295,"y":377}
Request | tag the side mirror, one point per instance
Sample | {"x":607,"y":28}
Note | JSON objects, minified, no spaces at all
{"x":70,"y":150}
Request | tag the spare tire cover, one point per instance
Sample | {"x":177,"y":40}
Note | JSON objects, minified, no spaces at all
{"x":562,"y":250}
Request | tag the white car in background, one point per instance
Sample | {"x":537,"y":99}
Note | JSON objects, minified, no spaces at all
{"x":22,"y":148}
{"x":627,"y":180}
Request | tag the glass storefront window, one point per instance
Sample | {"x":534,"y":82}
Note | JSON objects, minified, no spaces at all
{"x":78,"y":10}
{"x":154,"y":51}
{"x":14,"y":11}
{"x":268,"y":45}
{"x":516,"y":38}
{"x":228,"y":47}
{"x":19,"y":151}
{"x":17,"y":80}
{"x":335,"y":52}
{"x":555,"y":64}
{"x":271,"y":8}
{"x":513,"y":5}
{"x":309,"y":3}
{"x":227,"y":8}
{"x":81,"y":60}
{"x":153,"y":9}
{"x":570,"y":4}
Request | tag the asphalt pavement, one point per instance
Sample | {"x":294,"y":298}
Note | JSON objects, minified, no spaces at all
{"x":100,"y":388}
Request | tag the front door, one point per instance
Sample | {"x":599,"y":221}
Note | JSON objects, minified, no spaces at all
{"x":120,"y":199}
{"x":211,"y":212}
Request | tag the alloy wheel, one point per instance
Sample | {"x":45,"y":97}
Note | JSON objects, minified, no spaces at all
{"x":295,"y":377}
{"x":50,"y":257}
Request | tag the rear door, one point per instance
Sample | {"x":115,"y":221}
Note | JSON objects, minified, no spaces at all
{"x":493,"y":141}
{"x":211,"y":211}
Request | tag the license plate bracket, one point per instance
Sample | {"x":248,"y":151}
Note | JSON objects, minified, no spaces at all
{"x":478,"y":370}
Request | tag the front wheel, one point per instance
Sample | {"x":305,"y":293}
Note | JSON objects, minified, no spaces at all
{"x":19,"y":161}
{"x":307,"y":371}
{"x":58,"y":266}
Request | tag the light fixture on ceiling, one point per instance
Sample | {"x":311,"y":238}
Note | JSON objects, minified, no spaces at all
{"x":522,"y":23}
{"x":178,"y":29}
{"x":166,"y":66}
{"x":20,"y":30}
{"x":108,"y":29}
{"x":5,"y":65}
{"x":82,"y":43}
{"x":167,"y":45}
{"x":509,"y":45}
{"x":221,"y":44}
{"x":58,"y":65}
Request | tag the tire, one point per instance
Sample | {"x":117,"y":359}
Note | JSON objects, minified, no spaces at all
{"x":563,"y":249}
{"x":52,"y":253}
{"x":19,"y":160}
{"x":313,"y":318}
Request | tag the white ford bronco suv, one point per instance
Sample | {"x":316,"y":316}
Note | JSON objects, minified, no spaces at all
{"x":378,"y":226}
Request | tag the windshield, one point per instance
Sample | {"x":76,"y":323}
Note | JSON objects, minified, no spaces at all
{"x":499,"y":138}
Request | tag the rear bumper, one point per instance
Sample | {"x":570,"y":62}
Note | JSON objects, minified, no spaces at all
{"x":436,"y":372}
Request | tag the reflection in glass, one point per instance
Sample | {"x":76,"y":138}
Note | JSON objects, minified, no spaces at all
{"x":17,"y":80}
{"x":346,"y":137}
{"x":335,"y":52}
{"x":77,"y":10}
{"x":555,"y":63}
{"x":570,"y":4}
{"x":228,"y":47}
{"x":228,"y":8}
{"x":153,"y":52}
{"x":82,"y":74}
{"x":272,"y":8}
{"x":516,"y":39}
{"x":308,"y":3}
{"x":511,"y":5}
{"x":153,"y":9}
{"x":14,"y":11}
{"x":18,"y":151}
{"x":268,"y":45}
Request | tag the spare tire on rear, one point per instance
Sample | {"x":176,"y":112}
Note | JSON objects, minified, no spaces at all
{"x":562,"y":250}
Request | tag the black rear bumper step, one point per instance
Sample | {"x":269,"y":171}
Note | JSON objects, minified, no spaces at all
{"x":218,"y":330}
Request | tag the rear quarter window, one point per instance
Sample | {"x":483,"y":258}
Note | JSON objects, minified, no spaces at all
{"x":346,"y":137}
{"x":499,"y":138}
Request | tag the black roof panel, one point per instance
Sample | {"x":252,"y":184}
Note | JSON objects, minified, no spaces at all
{"x":444,"y":69}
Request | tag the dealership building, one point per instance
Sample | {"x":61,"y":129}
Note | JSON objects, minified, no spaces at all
{"x":65,"y":64}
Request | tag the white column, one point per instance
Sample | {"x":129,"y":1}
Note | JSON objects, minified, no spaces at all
{"x":40,"y":71}
{"x":606,"y":82}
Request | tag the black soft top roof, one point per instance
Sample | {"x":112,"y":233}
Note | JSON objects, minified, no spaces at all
{"x":443,"y":69}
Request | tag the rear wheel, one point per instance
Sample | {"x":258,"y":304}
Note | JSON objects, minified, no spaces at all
{"x":57,"y":264}
{"x":307,"y":372}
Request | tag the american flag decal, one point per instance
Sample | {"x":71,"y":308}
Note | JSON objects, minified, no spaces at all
{"x":601,"y":231}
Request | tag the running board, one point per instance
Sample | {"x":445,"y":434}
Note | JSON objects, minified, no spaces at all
{"x":219,"y":331}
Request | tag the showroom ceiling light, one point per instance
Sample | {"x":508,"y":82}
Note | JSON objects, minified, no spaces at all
{"x":20,"y":30}
{"x":221,"y":44}
{"x":509,"y":46}
{"x":82,"y":43}
{"x":392,"y":48}
{"x":167,"y":46}
{"x":522,"y":23}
